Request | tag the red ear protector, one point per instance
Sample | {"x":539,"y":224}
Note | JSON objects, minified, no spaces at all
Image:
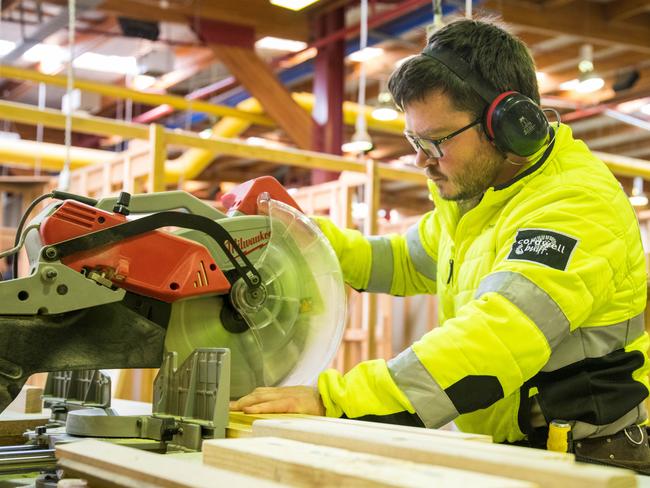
{"x":514,"y":122}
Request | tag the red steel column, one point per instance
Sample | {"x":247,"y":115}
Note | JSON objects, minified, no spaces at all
{"x":328,"y":91}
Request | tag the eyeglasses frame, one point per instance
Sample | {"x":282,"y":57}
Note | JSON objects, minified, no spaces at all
{"x":415,"y":140}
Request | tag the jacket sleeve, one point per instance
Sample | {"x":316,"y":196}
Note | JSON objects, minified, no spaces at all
{"x":522,"y":310}
{"x":396,"y":264}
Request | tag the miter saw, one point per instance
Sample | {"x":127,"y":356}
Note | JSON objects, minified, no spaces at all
{"x":122,"y":282}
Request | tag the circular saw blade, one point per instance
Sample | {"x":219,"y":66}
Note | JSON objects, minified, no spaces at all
{"x":295,"y":333}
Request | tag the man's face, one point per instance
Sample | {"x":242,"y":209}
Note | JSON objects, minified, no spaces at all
{"x":470,"y":164}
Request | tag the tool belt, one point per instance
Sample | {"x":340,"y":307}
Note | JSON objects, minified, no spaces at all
{"x":628,"y":448}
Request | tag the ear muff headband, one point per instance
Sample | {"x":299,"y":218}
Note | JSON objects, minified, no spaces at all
{"x":514,"y":122}
{"x":463,"y":71}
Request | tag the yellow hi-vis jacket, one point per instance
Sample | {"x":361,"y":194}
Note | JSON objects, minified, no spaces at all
{"x":542,"y":288}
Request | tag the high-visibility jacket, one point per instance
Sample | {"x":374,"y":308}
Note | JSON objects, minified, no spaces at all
{"x":542,"y":288}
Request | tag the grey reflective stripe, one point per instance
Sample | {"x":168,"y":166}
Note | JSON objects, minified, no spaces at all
{"x":431,"y":403}
{"x":594,"y":342}
{"x":381,"y":270}
{"x":637,"y":415}
{"x":530,"y":299}
{"x":423,"y":263}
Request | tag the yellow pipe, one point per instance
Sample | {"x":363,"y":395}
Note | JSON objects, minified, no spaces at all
{"x":350,"y":112}
{"x":50,"y":157}
{"x":126,"y":93}
{"x":190,"y":164}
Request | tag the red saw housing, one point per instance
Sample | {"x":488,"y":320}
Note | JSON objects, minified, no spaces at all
{"x":156,"y":264}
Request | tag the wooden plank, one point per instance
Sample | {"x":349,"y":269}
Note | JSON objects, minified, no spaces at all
{"x":236,"y":430}
{"x":29,"y":400}
{"x":240,"y":419}
{"x":13,"y":425}
{"x":301,"y":464}
{"x":549,"y":469}
{"x":405,"y":429}
{"x":125,"y":466}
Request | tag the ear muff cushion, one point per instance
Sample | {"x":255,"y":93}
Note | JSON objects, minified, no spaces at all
{"x":490,"y":112}
{"x":516,"y":124}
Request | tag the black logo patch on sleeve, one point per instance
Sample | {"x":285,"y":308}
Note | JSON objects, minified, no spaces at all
{"x":542,"y":246}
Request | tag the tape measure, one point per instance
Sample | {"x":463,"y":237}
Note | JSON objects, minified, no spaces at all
{"x":560,"y":438}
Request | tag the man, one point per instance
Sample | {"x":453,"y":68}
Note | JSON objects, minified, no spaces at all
{"x":534,"y":252}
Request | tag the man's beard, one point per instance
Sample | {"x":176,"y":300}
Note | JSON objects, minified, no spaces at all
{"x":478,"y":177}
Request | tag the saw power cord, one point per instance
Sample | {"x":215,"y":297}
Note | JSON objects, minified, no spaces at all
{"x":19,"y":231}
{"x":19,"y":239}
{"x":20,"y":243}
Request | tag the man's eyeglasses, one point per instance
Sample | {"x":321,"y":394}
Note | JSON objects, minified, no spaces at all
{"x":431,"y":147}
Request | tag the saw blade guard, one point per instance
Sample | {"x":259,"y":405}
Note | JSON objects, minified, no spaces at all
{"x":290,"y":328}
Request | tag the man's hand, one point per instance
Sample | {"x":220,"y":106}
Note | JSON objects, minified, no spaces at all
{"x":285,"y":399}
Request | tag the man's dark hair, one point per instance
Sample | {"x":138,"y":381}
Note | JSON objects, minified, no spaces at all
{"x":501,"y":58}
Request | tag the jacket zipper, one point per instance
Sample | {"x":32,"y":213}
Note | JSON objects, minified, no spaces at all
{"x":451,"y":271}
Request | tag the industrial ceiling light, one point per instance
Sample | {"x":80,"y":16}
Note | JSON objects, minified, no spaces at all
{"x":6,"y":47}
{"x":279,"y":44}
{"x":359,"y":143}
{"x":365,"y":54}
{"x":127,"y":65}
{"x":384,"y":110}
{"x":142,"y":82}
{"x":589,"y":81}
{"x":293,"y":4}
{"x":638,"y":198}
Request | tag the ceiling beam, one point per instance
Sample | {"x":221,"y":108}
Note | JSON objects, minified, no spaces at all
{"x":605,"y":67}
{"x":256,"y":76}
{"x":553,"y":44}
{"x":624,"y":9}
{"x":570,"y":57}
{"x":266,"y":19}
{"x":233,"y":46}
{"x":556,"y":3}
{"x":9,"y":5}
{"x":580,"y":18}
{"x":606,"y":95}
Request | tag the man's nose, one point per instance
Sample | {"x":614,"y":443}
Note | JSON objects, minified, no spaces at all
{"x":422,"y":160}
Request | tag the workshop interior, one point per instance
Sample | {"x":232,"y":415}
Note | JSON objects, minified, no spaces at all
{"x":164,"y":169}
